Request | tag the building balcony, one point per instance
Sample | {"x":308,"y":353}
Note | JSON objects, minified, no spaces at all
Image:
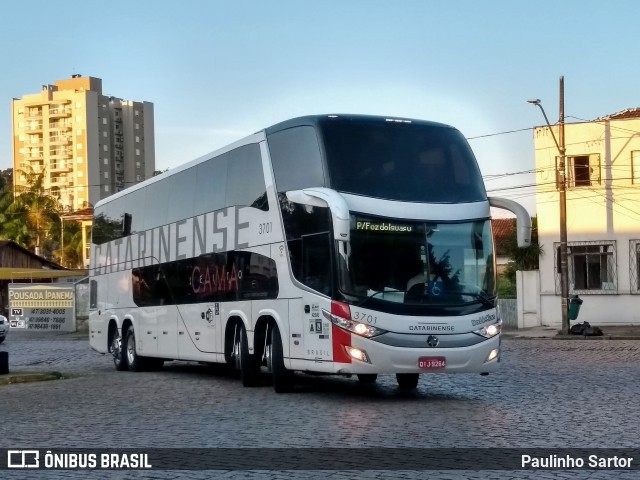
{"x":59,"y":112}
{"x":61,"y":154}
{"x":57,"y":140}
{"x":60,"y":167}
{"x":33,"y":127}
{"x":63,"y":126}
{"x":62,"y":181}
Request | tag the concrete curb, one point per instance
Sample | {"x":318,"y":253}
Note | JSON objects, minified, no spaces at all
{"x":555,"y":335}
{"x":8,"y":379}
{"x":601,"y":337}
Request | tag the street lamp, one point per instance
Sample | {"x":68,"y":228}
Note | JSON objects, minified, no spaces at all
{"x":562,"y":188}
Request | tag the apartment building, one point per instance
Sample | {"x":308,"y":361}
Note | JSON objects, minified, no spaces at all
{"x":89,"y":145}
{"x":602,"y":218}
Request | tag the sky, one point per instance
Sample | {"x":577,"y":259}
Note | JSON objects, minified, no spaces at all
{"x":219,"y":70}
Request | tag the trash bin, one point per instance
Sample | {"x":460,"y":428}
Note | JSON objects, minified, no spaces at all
{"x":574,"y":306}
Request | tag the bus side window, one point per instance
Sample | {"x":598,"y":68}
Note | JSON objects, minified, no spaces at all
{"x":316,"y":269}
{"x":93,"y":294}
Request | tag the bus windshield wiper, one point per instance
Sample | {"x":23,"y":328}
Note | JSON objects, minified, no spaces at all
{"x":488,"y":301}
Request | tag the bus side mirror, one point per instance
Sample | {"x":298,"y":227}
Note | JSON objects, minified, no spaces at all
{"x":325,"y":197}
{"x":523,"y":219}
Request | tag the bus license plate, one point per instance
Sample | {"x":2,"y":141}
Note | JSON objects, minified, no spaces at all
{"x":432,"y":363}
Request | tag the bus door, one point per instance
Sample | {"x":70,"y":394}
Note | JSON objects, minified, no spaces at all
{"x":317,"y":329}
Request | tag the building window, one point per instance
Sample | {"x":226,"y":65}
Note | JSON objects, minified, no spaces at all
{"x":106,"y":174}
{"x":137,"y":151}
{"x":634,"y":265}
{"x":78,"y":146}
{"x":137,"y":126}
{"x":137,"y":139}
{"x":79,"y":160}
{"x":591,"y":267}
{"x":105,"y":134}
{"x":106,"y":188}
{"x":78,"y":104}
{"x":105,"y":148}
{"x":582,"y":170}
{"x":106,"y":161}
{"x":635,"y":167}
{"x":79,"y":118}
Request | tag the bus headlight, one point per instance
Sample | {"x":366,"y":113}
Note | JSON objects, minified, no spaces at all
{"x":362,"y":329}
{"x":489,"y":331}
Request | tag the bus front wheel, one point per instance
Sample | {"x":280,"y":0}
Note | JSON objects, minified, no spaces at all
{"x":407,"y":381}
{"x":367,"y":377}
{"x":282,"y":378}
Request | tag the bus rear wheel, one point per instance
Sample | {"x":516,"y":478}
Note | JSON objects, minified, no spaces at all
{"x":135,"y":362}
{"x":118,"y":351}
{"x":367,"y":377}
{"x":407,"y":381}
{"x":282,"y":377}
{"x":245,"y":362}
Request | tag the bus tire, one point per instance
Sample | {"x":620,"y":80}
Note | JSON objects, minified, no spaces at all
{"x":135,"y":363}
{"x":367,"y":377}
{"x":282,"y":377}
{"x":245,"y":362}
{"x":407,"y":381}
{"x":118,"y":351}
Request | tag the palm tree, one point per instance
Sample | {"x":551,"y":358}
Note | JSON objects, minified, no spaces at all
{"x":33,"y":218}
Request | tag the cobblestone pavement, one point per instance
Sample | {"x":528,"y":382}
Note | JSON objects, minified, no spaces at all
{"x":548,"y":394}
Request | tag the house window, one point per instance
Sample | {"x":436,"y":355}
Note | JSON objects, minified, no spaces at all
{"x":591,"y":267}
{"x":634,"y":265}
{"x":582,"y":170}
{"x":635,"y":167}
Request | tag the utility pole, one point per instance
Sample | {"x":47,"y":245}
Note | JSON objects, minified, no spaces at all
{"x":561,"y":181}
{"x":562,"y":187}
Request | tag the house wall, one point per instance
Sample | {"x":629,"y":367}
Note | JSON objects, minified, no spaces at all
{"x":602,"y":213}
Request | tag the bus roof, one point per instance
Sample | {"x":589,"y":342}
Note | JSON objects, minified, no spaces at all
{"x":315,"y":120}
{"x":308,"y":120}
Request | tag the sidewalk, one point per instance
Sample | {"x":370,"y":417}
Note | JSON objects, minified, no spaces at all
{"x":608,"y":333}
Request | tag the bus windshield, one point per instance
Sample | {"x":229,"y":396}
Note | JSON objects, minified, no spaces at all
{"x":415,"y":162}
{"x":419,"y":263}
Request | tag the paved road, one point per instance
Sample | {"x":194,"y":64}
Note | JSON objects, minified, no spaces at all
{"x":548,"y":394}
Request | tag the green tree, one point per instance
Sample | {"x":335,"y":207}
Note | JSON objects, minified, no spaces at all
{"x":32,"y":218}
{"x":527,"y":258}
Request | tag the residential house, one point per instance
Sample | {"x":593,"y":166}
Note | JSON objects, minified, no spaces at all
{"x":602,"y":218}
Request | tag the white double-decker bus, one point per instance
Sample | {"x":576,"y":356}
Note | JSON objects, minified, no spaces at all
{"x":333,"y":244}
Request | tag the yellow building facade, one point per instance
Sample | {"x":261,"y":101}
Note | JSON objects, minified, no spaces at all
{"x":602,"y":218}
{"x":88,"y":145}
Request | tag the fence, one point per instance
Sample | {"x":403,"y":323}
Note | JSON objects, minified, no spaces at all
{"x":509,"y":312}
